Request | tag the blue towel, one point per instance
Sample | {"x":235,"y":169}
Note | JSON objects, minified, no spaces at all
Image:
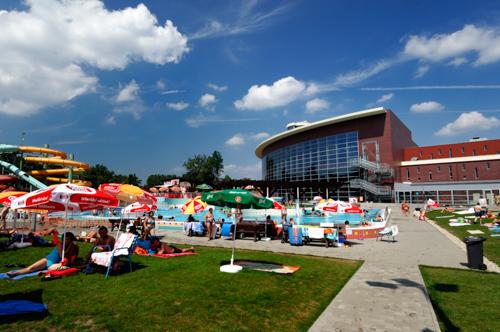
{"x":21,"y":276}
{"x":226,"y":230}
{"x":16,"y":307}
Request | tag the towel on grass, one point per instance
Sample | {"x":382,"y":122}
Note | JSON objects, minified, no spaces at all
{"x":21,"y":276}
{"x":171,"y":255}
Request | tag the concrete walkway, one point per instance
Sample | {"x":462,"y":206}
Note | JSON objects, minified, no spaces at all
{"x":387,"y":293}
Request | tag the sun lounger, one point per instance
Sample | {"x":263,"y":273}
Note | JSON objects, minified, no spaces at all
{"x":124,"y":246}
{"x":391,"y":231}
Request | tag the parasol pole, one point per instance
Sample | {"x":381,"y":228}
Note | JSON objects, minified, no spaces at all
{"x":64,"y":230}
{"x":234,"y":236}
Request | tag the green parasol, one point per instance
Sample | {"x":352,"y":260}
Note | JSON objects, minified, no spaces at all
{"x":204,"y":187}
{"x":237,"y":198}
{"x":240,"y":199}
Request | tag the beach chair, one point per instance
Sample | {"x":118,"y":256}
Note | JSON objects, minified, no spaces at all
{"x":391,"y":231}
{"x":124,"y":246}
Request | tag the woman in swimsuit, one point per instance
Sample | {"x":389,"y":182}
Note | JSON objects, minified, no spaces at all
{"x":53,"y":260}
{"x":209,"y":222}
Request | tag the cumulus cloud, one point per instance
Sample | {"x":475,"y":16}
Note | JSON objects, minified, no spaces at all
{"x":179,"y":106}
{"x":483,"y":41}
{"x":47,"y":49}
{"x":458,"y":61}
{"x":128,"y":93}
{"x":468,"y":122}
{"x":218,"y":88}
{"x":260,"y":136}
{"x":281,"y":93}
{"x":253,"y":171}
{"x":316,"y":104}
{"x":422,"y":70}
{"x":236,"y":140}
{"x":385,"y":98}
{"x":426,"y":106}
{"x":207,"y":100}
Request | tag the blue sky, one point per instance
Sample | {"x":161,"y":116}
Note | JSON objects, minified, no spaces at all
{"x":115,"y":84}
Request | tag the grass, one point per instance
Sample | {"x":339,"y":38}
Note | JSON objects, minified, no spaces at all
{"x":464,"y":300}
{"x":491,"y":246}
{"x":182,"y":294}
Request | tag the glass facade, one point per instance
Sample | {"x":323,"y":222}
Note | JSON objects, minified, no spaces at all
{"x":329,"y":158}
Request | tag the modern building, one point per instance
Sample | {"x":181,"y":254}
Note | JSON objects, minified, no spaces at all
{"x":371,"y":154}
{"x":362,"y":151}
{"x":456,"y":174}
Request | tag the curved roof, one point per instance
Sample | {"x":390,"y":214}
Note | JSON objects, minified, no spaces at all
{"x":314,"y":125}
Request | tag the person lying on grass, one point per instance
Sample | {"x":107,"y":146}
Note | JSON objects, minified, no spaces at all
{"x":36,"y":238}
{"x":104,"y":242}
{"x":53,"y":260}
{"x":163,"y":248}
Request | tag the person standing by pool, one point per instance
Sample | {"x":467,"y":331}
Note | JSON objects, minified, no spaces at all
{"x":209,"y":222}
{"x":149,"y":225}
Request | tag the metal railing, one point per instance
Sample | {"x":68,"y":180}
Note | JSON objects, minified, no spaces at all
{"x":371,"y":187}
{"x":381,"y":168}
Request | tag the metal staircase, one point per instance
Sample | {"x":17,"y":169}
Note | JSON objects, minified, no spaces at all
{"x":371,"y":187}
{"x":380,"y":168}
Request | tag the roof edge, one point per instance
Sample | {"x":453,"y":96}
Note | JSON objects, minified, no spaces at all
{"x":336,"y":119}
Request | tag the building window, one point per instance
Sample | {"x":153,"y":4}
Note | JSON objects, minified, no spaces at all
{"x":463,"y":149}
{"x":485,"y":147}
{"x":418,"y":170}
{"x":476,"y":173}
{"x":430,"y":176}
{"x":418,"y":179}
{"x":463,"y":167}
{"x":450,"y":170}
{"x":465,"y":177}
{"x":408,"y":174}
{"x":420,"y":153}
{"x":473,"y":152}
{"x":450,"y":153}
{"x":488,"y":165}
{"x":440,"y":152}
{"x":439,"y":169}
{"x":432,"y":155}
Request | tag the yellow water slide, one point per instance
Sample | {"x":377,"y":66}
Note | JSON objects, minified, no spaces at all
{"x":56,"y":158}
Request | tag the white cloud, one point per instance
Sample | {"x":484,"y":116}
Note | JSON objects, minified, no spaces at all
{"x":426,"y":106}
{"x":129,"y":93}
{"x":218,"y":88}
{"x":422,"y":70}
{"x":385,"y":98}
{"x":47,"y":49}
{"x":135,"y":108}
{"x":110,"y":120}
{"x":252,"y":171}
{"x":236,"y":140}
{"x":316,"y":104}
{"x":203,"y":119}
{"x":207,"y":100}
{"x":247,"y":20}
{"x":435,"y":87}
{"x":458,"y":61}
{"x":356,"y":76}
{"x":281,"y":93}
{"x":160,"y":85}
{"x":485,"y":42}
{"x":179,"y":106}
{"x":469,"y":122}
{"x":260,"y":136}
{"x":170,"y":92}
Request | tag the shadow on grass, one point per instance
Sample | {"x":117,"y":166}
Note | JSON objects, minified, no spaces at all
{"x":447,"y":288}
{"x":33,"y":296}
{"x":124,"y":269}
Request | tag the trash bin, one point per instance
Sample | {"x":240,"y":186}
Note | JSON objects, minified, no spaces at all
{"x":475,"y":252}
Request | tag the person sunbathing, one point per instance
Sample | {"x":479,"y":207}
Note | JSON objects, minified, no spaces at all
{"x":163,"y":248}
{"x":53,"y":260}
{"x":87,"y":237}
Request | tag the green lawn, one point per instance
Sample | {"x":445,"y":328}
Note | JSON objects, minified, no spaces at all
{"x":182,"y":294}
{"x":491,"y":245}
{"x":464,"y":300}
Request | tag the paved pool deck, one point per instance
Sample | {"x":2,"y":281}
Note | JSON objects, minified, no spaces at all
{"x":387,"y":293}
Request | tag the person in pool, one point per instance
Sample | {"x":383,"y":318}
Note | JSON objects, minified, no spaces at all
{"x":53,"y":260}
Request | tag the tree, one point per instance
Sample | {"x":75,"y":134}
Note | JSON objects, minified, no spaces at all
{"x":204,"y":169}
{"x":98,"y":175}
{"x":133,"y":179}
